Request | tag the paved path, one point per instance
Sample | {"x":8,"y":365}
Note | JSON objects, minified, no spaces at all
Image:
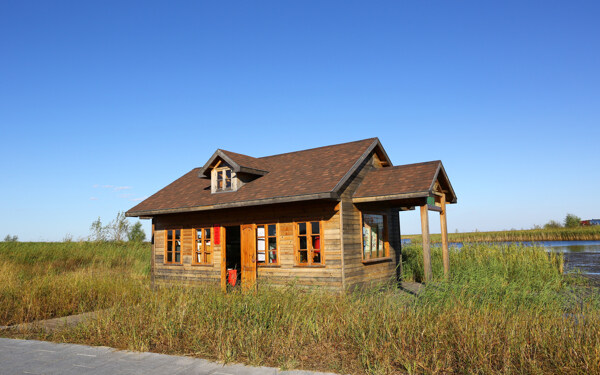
{"x":40,"y":357}
{"x":56,"y":323}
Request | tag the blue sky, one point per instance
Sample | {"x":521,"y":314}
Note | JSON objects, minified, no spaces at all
{"x":104,"y":103}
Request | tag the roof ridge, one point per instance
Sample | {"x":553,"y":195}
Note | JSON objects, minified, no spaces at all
{"x":317,"y":148}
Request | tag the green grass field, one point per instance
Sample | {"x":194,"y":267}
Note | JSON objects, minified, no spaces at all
{"x":504,"y":310}
{"x":559,"y":234}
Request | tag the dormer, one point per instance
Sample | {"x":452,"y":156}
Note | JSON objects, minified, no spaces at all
{"x":229,"y":171}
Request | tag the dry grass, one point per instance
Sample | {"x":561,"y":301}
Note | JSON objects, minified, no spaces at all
{"x":506,"y":310}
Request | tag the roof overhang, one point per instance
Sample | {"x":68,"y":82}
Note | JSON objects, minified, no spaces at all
{"x":248,"y":203}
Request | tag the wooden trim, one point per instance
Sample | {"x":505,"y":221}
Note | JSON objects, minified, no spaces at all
{"x":203,"y":252}
{"x":434,"y":208}
{"x":224,"y":258}
{"x":377,"y":198}
{"x":309,"y":246}
{"x":386,"y":239}
{"x":166,"y":240}
{"x":377,"y":260}
{"x":266,"y":238}
{"x":342,"y":250}
{"x":255,"y":202}
{"x":426,"y":248}
{"x":357,"y":164}
{"x":444,"y":231}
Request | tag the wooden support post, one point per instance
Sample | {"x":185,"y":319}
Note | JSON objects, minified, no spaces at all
{"x":444,"y":230}
{"x":426,"y":249}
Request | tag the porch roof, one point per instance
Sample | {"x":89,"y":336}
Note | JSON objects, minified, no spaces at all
{"x":404,"y":182}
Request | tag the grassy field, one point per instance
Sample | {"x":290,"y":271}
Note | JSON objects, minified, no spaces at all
{"x":558,"y":234}
{"x":505,"y":309}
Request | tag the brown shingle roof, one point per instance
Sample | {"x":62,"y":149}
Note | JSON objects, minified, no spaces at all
{"x":311,"y":173}
{"x":248,"y":161}
{"x":402,"y":179}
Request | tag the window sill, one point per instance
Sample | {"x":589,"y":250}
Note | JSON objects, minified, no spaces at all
{"x":377,"y":260}
{"x":309,"y":265}
{"x":202,"y":265}
{"x":173,"y":264}
{"x":268,"y":265}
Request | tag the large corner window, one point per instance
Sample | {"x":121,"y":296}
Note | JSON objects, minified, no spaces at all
{"x":203,"y":246}
{"x":309,"y":244}
{"x":374,"y":236}
{"x":224,"y":181}
{"x":266,"y":244}
{"x":173,"y":248}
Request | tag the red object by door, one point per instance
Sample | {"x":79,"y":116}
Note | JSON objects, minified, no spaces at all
{"x":232,"y":277}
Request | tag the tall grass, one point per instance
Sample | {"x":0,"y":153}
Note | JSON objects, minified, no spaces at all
{"x":504,"y":310}
{"x":559,"y":234}
{"x":47,"y":280}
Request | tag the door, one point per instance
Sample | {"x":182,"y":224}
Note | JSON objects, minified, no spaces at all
{"x":248,"y":242}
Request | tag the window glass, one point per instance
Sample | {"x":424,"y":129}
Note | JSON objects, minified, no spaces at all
{"x":272,"y":230}
{"x":203,"y":248}
{"x":314,"y":227}
{"x":374,"y":236}
{"x":302,"y":243}
{"x":309,"y":246}
{"x":260,"y":231}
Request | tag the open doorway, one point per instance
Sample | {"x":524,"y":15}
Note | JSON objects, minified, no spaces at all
{"x":233,"y":252}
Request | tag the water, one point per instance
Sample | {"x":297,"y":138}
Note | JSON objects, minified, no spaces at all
{"x":579,"y":255}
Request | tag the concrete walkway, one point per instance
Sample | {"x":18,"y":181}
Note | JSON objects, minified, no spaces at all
{"x":56,"y":323}
{"x":40,"y":357}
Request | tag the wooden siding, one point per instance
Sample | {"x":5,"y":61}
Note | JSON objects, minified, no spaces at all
{"x":356,"y":273}
{"x":328,"y":276}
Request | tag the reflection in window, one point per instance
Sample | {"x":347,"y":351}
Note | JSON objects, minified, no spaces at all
{"x":309,"y":243}
{"x":203,"y":246}
{"x":374,"y":236}
{"x":266,"y":244}
{"x":224,"y":179}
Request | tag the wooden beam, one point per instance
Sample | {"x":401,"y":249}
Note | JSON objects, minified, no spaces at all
{"x":444,"y":230}
{"x":434,"y":208}
{"x":426,"y":246}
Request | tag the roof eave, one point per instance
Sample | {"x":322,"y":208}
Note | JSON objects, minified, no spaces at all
{"x":254,"y":202}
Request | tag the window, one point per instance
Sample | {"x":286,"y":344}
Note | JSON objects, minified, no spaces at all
{"x":266,"y":244}
{"x":309,"y":243}
{"x":224,"y":179}
{"x":173,"y":248}
{"x":374,"y":236}
{"x":203,"y":246}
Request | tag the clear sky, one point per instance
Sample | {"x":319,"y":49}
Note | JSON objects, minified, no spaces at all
{"x":103,"y":103}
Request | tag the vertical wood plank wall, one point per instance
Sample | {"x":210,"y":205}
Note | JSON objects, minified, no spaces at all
{"x":328,"y":276}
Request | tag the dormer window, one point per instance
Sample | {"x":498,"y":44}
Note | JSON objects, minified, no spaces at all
{"x":228,"y":171}
{"x":224,"y":179}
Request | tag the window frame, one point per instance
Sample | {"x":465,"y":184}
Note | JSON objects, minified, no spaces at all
{"x":195,"y":251}
{"x":309,"y":245}
{"x":386,"y":243}
{"x":221,"y":172}
{"x":173,"y":251}
{"x":266,"y":238}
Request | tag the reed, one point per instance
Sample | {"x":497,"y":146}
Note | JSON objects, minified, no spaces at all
{"x":589,"y":233}
{"x":504,"y":310}
{"x":47,"y":280}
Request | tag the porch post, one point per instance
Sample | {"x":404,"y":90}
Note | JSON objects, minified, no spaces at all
{"x":426,"y":250}
{"x":444,"y":230}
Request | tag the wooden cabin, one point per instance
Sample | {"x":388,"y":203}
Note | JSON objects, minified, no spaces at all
{"x":326,"y":217}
